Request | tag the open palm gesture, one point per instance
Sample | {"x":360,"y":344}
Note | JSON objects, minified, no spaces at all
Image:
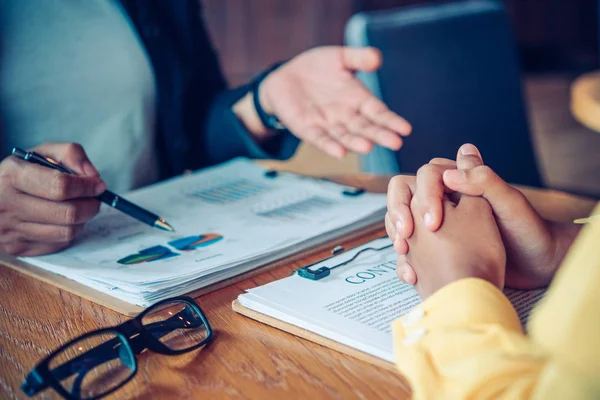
{"x":318,"y":98}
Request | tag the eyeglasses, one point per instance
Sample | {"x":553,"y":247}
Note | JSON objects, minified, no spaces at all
{"x":99,"y":362}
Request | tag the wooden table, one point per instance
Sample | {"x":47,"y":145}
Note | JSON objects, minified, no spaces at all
{"x":585,"y":100}
{"x":247,"y":360}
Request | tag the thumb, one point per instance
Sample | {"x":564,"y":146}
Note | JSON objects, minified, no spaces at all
{"x":361,"y":58}
{"x":506,"y":201}
{"x":468,"y":157}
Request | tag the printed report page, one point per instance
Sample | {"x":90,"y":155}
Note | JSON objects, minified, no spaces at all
{"x":356,"y":304}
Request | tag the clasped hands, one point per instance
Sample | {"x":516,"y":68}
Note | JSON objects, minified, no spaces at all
{"x":459,"y":219}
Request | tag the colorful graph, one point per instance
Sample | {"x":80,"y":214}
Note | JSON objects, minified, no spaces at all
{"x":298,"y":209}
{"x":148,"y":255}
{"x":231,"y":191}
{"x":193,"y":242}
{"x":157,"y":253}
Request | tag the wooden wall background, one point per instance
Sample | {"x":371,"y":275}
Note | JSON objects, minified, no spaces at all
{"x":558,"y":36}
{"x":252,"y":34}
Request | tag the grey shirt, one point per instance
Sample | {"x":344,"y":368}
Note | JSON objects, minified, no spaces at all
{"x":75,"y":71}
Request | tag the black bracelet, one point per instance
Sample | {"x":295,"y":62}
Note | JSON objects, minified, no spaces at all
{"x":269,"y":121}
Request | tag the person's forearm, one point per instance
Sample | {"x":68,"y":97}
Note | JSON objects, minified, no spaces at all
{"x":467,"y":342}
{"x":225,"y":134}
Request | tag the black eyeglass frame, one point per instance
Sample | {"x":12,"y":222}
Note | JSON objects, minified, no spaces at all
{"x":131,"y":332}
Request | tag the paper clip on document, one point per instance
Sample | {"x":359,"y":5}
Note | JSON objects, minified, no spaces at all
{"x":324,"y":271}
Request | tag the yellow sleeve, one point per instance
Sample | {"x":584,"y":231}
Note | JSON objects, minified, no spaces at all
{"x":466,"y":341}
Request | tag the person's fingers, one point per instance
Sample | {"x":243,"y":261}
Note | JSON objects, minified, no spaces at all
{"x":352,"y":142}
{"x":399,"y":195}
{"x":71,"y":212}
{"x":400,"y":244}
{"x":308,"y":126}
{"x":319,"y":138}
{"x":468,"y":156}
{"x":47,"y":183}
{"x":361,"y":126}
{"x":443,"y":161}
{"x":405,"y":271}
{"x":473,"y":202}
{"x":70,"y":155}
{"x":430,"y":194}
{"x":483,"y":181}
{"x":54,"y":185}
{"x":34,"y":232}
{"x":389,"y":227}
{"x":376,"y":110}
{"x":361,"y":58}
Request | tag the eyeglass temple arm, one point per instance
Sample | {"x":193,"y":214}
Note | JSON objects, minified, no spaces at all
{"x":34,"y":383}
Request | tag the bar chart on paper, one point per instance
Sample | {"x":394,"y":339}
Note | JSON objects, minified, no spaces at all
{"x":231,"y":192}
{"x":296,"y":209}
{"x":230,"y":219}
{"x":160,"y":252}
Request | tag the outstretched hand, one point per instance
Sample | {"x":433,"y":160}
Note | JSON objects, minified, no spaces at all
{"x":318,"y":98}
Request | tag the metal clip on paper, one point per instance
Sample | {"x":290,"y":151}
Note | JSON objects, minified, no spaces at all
{"x":348,"y":192}
{"x":324,"y":271}
{"x":353,"y":192}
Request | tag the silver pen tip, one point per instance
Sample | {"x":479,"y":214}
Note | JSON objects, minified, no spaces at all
{"x":164,"y":225}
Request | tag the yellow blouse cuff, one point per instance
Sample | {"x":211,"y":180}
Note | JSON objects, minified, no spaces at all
{"x":465,"y":302}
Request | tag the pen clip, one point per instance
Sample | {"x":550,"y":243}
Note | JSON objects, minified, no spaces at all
{"x":33,"y":157}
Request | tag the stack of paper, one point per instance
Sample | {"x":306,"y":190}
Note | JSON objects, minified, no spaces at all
{"x":229,"y":219}
{"x":356,"y":304}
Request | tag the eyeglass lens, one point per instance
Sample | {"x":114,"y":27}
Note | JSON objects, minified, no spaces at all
{"x":94,"y":365}
{"x":177,"y":325}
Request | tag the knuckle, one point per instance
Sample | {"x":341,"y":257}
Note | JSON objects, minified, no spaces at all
{"x":59,"y":187}
{"x":395,"y":183}
{"x":389,"y":228}
{"x":414,"y":203}
{"x":73,"y":149}
{"x":486,"y":174}
{"x":8,"y":167}
{"x":7,"y":233}
{"x":67,"y":234}
{"x":13,"y":249}
{"x":426,"y":169}
{"x":398,"y":189}
{"x":94,"y":208}
{"x":431,"y":200}
{"x":440,"y":160}
{"x":71,"y":214}
{"x":8,"y":164}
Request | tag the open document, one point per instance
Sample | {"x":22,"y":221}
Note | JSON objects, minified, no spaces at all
{"x":356,"y":304}
{"x":229,"y":219}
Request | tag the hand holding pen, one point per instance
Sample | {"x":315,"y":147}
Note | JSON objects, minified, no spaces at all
{"x":42,"y":210}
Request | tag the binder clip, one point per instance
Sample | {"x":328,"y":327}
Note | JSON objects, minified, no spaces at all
{"x":271,"y":173}
{"x":324,"y":271}
{"x":321,"y":272}
{"x":314,"y":275}
{"x":353,"y":192}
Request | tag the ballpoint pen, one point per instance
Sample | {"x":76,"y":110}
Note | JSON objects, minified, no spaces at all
{"x":107,"y":197}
